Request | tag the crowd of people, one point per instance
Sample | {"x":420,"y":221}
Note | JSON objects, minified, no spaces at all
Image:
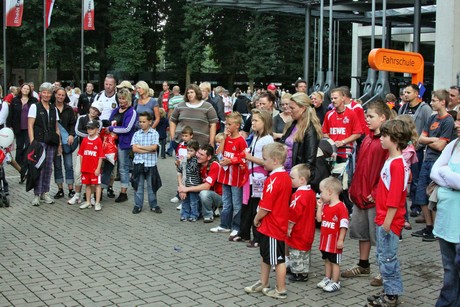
{"x":257,"y":161}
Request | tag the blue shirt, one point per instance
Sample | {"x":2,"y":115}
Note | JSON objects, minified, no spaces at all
{"x":151,"y":137}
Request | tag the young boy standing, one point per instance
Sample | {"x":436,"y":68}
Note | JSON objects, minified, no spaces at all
{"x":301,"y":227}
{"x":145,"y":144}
{"x":232,"y":176}
{"x":333,"y":215}
{"x":91,"y":155}
{"x":181,"y":153}
{"x":390,"y":210}
{"x":272,"y":222}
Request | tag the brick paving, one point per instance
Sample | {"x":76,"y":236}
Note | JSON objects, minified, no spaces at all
{"x":59,"y":255}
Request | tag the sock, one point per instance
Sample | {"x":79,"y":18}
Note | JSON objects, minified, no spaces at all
{"x":364,"y":263}
{"x":429,"y":228}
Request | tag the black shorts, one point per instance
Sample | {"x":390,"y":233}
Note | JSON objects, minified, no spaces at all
{"x":271,"y":250}
{"x":333,"y":258}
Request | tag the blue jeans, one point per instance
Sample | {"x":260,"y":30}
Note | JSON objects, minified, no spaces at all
{"x":68,"y":166}
{"x":232,"y":198}
{"x":124,"y":165}
{"x":450,"y":291}
{"x":387,"y":258}
{"x":415,"y":170}
{"x":172,"y":147}
{"x":190,"y":206}
{"x":423,"y":181}
{"x":139,"y":195}
{"x":210,"y":200}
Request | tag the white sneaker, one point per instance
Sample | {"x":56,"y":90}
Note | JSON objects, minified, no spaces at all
{"x":179,"y":207}
{"x":175,"y":199}
{"x":85,"y":205}
{"x":332,"y":286}
{"x":217,"y":212}
{"x":36,"y":201}
{"x":219,"y":229}
{"x":233,"y":233}
{"x":323,"y":283}
{"x":46,"y":198}
{"x":74,"y":200}
{"x":98,"y":207}
{"x":93,"y":200}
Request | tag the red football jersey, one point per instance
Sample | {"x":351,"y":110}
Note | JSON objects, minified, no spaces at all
{"x":275,"y":199}
{"x":210,"y":177}
{"x":91,"y":151}
{"x":391,"y":193}
{"x":333,"y":218}
{"x":302,"y":214}
{"x":235,"y":173}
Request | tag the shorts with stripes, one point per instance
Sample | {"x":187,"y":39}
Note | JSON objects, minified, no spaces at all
{"x":332,"y":257}
{"x":271,"y":250}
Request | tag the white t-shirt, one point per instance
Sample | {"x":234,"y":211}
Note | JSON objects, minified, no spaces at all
{"x":108,"y":105}
{"x":4,"y":112}
{"x":33,"y":111}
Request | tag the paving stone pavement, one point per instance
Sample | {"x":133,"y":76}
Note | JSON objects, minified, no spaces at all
{"x":59,"y":255}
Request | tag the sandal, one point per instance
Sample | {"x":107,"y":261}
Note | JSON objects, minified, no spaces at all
{"x":407,"y":226}
{"x":252,"y":244}
{"x":236,"y":238}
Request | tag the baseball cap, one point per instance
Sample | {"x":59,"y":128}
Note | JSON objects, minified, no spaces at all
{"x":271,"y":87}
{"x":125,"y":84}
{"x":97,"y":105}
{"x":92,"y":124}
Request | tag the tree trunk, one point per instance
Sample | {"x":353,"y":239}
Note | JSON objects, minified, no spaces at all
{"x":188,"y":73}
{"x":251,"y":84}
{"x":40,"y":73}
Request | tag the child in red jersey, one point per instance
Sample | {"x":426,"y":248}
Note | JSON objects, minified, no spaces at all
{"x":333,"y":215}
{"x":91,"y":155}
{"x":272,"y":222}
{"x":301,"y":228}
{"x":232,"y":175}
{"x":390,"y":210}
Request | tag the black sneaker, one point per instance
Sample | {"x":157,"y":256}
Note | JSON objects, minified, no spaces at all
{"x":414,"y":213}
{"x":157,"y":209}
{"x":110,"y":193}
{"x":71,"y":193}
{"x":59,"y":194}
{"x":121,"y":198}
{"x":419,"y":234}
{"x":137,"y":210}
{"x":429,"y":237}
{"x":298,"y":277}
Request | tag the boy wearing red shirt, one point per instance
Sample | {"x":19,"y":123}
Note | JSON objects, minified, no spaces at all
{"x":390,"y":210}
{"x":272,"y":222}
{"x":301,"y":227}
{"x":91,"y":155}
{"x":333,"y":216}
{"x":232,"y":175}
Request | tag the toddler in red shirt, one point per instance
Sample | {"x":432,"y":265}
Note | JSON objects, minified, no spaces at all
{"x":301,"y":227}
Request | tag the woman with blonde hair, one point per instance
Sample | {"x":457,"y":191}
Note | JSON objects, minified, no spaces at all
{"x":146,"y":103}
{"x":317,"y":99}
{"x":302,"y":136}
{"x":283,"y":118}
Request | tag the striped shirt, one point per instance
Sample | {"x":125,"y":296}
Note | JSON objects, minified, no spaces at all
{"x":151,"y":137}
{"x":191,"y":177}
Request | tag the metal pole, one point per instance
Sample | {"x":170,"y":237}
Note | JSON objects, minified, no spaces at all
{"x":384,"y":23}
{"x":417,"y":17}
{"x":44,"y":41}
{"x":338,"y":53}
{"x":373,"y":26}
{"x":331,"y":37}
{"x":306,"y":63}
{"x":315,"y":44}
{"x":321,"y":21}
{"x":5,"y":90}
{"x":82,"y":71}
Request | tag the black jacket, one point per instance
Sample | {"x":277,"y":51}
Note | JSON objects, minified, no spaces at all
{"x":67,"y":119}
{"x":14,"y":115}
{"x":44,"y":122}
{"x":306,"y":151}
{"x":84,"y":102}
{"x":35,"y":160}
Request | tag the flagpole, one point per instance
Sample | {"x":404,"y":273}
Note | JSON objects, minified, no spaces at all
{"x":44,"y":41}
{"x":82,"y":43}
{"x":5,"y":90}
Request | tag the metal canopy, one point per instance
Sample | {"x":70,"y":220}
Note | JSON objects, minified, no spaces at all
{"x":399,"y":12}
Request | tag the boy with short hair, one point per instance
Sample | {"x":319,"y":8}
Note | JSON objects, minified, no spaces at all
{"x":144,"y":144}
{"x":301,"y":227}
{"x":272,"y":222}
{"x":181,"y":152}
{"x":390,"y":210}
{"x":188,"y":175}
{"x":333,"y":216}
{"x":91,"y":155}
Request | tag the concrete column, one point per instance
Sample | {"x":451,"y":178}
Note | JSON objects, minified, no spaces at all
{"x":356,"y":58}
{"x":447,"y":45}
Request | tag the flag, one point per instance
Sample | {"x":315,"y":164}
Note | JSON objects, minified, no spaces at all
{"x":88,"y":13}
{"x":49,"y":11}
{"x":14,"y":9}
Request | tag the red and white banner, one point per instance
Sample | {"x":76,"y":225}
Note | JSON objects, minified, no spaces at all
{"x":88,"y":13}
{"x":49,"y":11}
{"x":14,"y":9}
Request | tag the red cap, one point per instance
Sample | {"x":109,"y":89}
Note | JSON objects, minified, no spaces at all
{"x":271,"y":87}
